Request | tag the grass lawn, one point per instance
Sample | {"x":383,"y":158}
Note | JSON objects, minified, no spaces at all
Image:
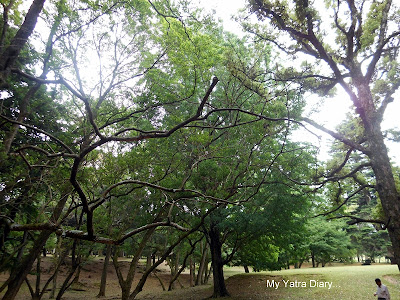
{"x":354,"y":282}
{"x":348,"y":282}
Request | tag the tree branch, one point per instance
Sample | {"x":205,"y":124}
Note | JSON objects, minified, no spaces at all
{"x":338,"y":136}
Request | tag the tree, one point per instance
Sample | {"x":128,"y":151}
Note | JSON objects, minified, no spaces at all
{"x":64,"y":146}
{"x":104,"y":140}
{"x":369,"y":242}
{"x":328,"y":241}
{"x":361,"y":56}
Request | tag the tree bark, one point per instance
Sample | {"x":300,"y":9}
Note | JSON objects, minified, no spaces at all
{"x":126,"y":284}
{"x":217,"y":263}
{"x":11,"y":53}
{"x":191,"y":271}
{"x":202,"y":264}
{"x":102,"y":291}
{"x":19,"y":274}
{"x":380,"y":163}
{"x":148,"y":261}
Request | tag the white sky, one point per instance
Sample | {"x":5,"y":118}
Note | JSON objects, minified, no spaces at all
{"x":333,"y":111}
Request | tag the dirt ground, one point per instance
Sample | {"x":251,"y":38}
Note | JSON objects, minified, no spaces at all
{"x":240,"y":287}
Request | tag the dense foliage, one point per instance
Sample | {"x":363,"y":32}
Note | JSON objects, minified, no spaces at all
{"x":142,"y":129}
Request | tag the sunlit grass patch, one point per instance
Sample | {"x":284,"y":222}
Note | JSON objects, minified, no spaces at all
{"x":347,"y":282}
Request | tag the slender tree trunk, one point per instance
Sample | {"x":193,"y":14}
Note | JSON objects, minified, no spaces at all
{"x":217,"y":263}
{"x":148,"y":261}
{"x":38,"y":277}
{"x":205,"y":273}
{"x":313,"y":259}
{"x":78,"y":274}
{"x":202,"y":264}
{"x":161,"y":282}
{"x":246,"y":269}
{"x":126,"y":284}
{"x":191,"y":272}
{"x":58,"y":258}
{"x":208,"y":275}
{"x":67,"y":283}
{"x":19,"y":274}
{"x":103,"y":282}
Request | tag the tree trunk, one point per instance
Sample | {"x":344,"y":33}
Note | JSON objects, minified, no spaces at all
{"x":19,"y":274}
{"x":246,"y":269}
{"x":313,"y":259}
{"x":126,"y":284}
{"x":217,"y":263}
{"x":148,"y":261}
{"x":380,"y":163}
{"x":191,"y":272}
{"x":38,"y":277}
{"x":11,"y":53}
{"x":205,"y":273}
{"x":102,"y":291}
{"x":202,"y":264}
{"x":208,"y":275}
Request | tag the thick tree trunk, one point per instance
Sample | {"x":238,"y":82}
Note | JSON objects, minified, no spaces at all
{"x":217,"y":262}
{"x":380,"y":163}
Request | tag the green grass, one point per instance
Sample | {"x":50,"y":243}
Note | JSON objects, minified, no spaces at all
{"x":348,"y":282}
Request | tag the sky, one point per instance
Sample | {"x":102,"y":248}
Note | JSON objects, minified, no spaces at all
{"x":332,"y":111}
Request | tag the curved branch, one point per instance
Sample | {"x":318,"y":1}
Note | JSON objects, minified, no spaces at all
{"x":78,"y":234}
{"x":39,"y":130}
{"x":344,"y":202}
{"x":356,"y":220}
{"x":339,"y":168}
{"x":338,"y":136}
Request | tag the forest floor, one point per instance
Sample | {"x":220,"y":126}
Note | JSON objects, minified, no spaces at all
{"x":332,"y":282}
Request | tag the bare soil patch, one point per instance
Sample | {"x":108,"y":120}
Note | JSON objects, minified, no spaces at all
{"x":242,"y":286}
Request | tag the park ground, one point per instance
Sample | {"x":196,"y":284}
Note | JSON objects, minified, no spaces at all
{"x":332,"y":282}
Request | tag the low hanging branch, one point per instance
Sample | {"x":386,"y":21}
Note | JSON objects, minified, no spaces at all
{"x":337,"y":136}
{"x":355,"y":220}
{"x":79,"y":234}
